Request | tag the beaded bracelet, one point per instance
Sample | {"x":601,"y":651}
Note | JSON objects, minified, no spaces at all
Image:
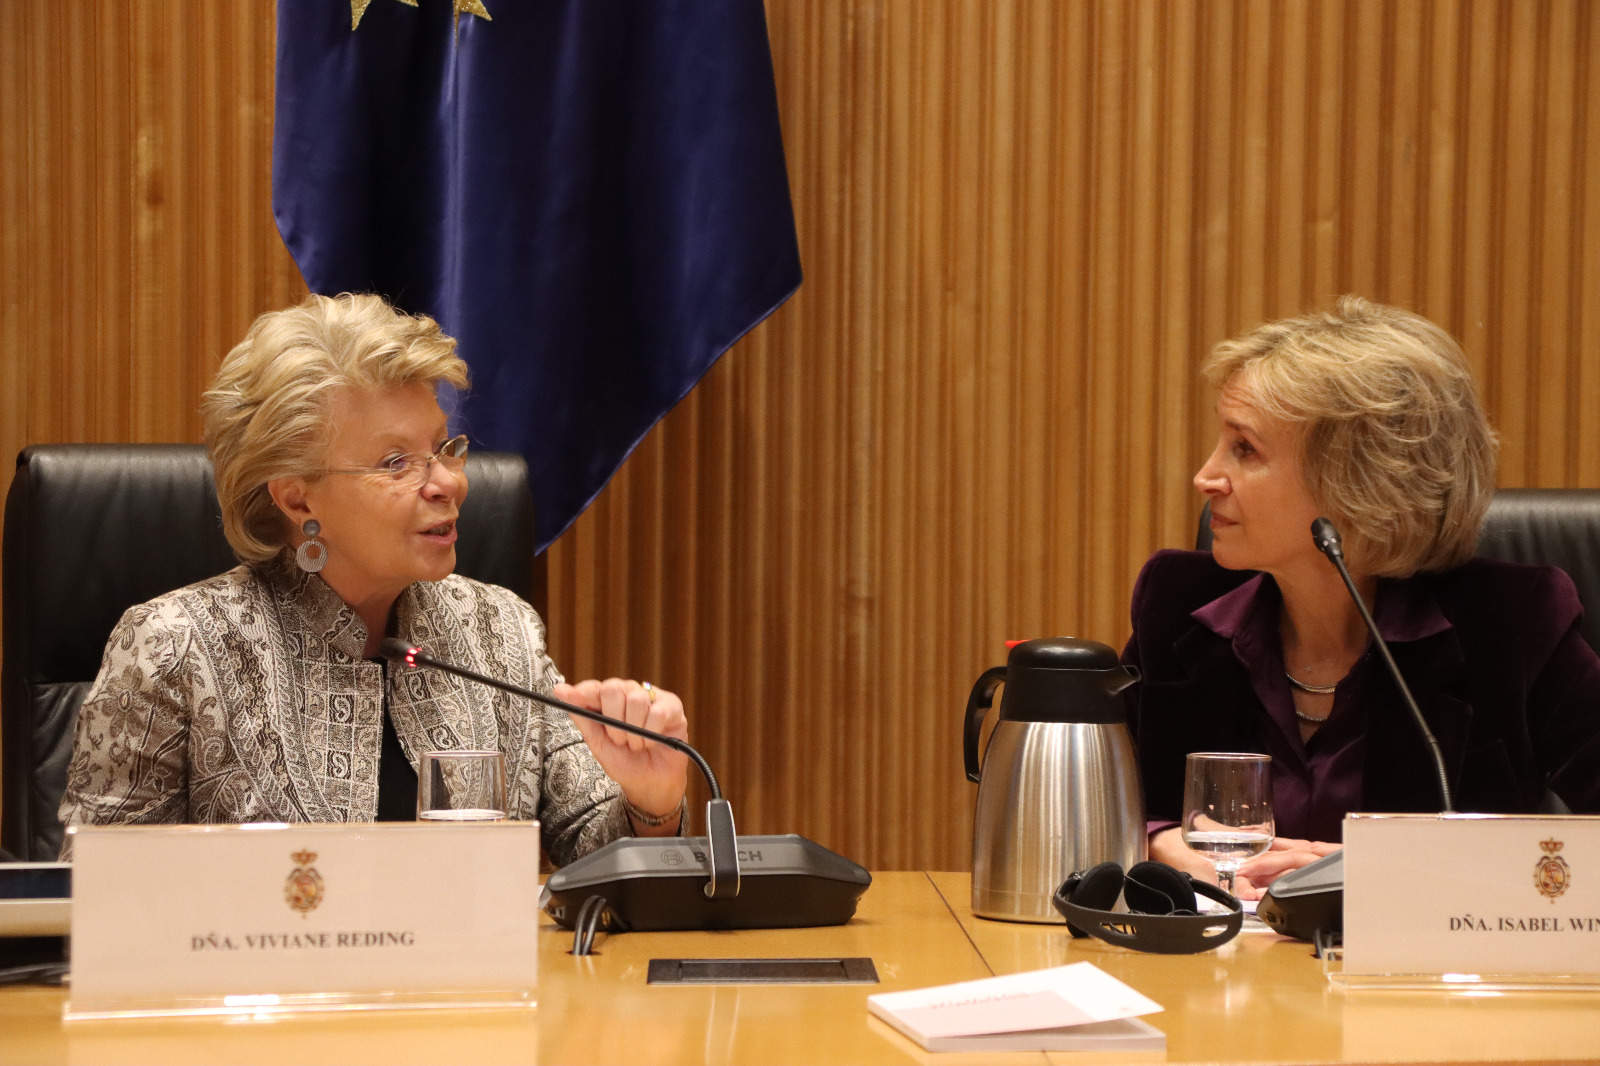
{"x":646,"y":820}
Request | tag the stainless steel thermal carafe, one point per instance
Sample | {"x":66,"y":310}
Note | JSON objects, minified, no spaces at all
{"x":1059,"y":786}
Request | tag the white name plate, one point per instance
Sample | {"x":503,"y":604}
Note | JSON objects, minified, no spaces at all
{"x":272,"y":917}
{"x":1471,"y":894}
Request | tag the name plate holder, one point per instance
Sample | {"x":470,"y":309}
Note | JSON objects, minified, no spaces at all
{"x":1470,"y":903}
{"x":273,"y":918}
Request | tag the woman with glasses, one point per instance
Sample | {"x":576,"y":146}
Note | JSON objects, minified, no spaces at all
{"x":259,"y":695}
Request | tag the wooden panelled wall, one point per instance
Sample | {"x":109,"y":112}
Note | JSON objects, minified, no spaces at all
{"x":1022,"y":223}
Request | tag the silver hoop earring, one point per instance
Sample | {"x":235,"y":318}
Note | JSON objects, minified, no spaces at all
{"x":312,"y":555}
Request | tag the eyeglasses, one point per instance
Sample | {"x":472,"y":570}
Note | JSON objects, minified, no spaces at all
{"x":410,"y":471}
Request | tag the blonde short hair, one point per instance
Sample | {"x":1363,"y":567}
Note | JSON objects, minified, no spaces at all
{"x":1394,"y":443}
{"x":266,"y":414}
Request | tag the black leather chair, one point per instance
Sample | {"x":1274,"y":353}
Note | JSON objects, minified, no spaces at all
{"x":1556,"y":527}
{"x":91,"y":530}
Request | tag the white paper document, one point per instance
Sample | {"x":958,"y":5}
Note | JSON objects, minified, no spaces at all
{"x":1067,"y":1008}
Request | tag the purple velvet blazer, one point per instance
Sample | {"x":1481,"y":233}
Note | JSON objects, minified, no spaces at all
{"x":1510,"y":690}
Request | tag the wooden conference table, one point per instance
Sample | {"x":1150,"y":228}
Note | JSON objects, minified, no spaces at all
{"x":1260,"y":998}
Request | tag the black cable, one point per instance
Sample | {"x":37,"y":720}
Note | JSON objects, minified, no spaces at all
{"x":586,"y":923}
{"x":41,"y":973}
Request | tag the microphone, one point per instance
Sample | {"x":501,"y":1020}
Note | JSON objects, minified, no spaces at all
{"x":1328,"y":543}
{"x":1309,"y":902}
{"x":719,"y":813}
{"x":759,"y":882}
{"x":1326,"y":538}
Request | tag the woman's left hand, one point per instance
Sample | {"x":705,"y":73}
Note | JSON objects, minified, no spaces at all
{"x":651,"y":775}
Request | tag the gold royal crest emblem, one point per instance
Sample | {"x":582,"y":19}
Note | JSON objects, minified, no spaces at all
{"x":303,"y":888}
{"x":1551,"y":874}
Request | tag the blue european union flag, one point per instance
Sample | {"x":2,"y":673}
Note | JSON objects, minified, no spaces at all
{"x":590,"y":195}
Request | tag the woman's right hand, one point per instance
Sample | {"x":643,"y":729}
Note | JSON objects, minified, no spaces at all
{"x":1167,"y":846}
{"x":1255,"y":876}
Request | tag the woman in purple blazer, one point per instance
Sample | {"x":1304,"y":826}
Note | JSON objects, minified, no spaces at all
{"x":1367,"y":415}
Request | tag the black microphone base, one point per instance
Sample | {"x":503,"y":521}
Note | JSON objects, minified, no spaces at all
{"x":1307,"y":901}
{"x":658,"y":883}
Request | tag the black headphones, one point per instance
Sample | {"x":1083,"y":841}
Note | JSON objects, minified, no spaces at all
{"x":1162,"y":916}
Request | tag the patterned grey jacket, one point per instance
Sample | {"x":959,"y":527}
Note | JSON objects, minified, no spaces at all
{"x":244,"y":698}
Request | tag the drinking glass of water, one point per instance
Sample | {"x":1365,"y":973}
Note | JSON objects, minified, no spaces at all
{"x":1227,"y":809}
{"x":461,"y":786}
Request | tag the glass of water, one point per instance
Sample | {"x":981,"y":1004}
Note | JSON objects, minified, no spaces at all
{"x":461,"y":786}
{"x":1227,"y":809}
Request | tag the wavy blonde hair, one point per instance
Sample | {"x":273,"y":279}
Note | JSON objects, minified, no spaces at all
{"x":1393,"y":439}
{"x":267,"y":413}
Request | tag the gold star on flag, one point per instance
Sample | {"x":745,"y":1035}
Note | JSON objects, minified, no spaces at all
{"x":359,"y":8}
{"x":470,"y":7}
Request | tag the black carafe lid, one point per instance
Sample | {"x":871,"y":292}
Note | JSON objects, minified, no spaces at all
{"x":1063,"y":679}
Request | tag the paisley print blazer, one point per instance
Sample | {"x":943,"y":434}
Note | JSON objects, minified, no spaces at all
{"x":245,"y":698}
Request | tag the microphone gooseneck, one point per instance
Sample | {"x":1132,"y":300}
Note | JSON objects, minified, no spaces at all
{"x":396,"y":650}
{"x":1327,"y":540}
{"x":721,"y":838}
